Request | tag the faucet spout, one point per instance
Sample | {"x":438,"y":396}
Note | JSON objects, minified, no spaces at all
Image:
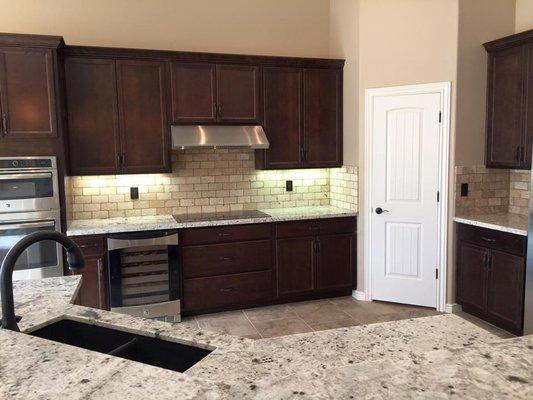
{"x":74,"y":259}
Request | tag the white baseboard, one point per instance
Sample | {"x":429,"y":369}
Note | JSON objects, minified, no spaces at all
{"x":453,"y":308}
{"x":357,"y":295}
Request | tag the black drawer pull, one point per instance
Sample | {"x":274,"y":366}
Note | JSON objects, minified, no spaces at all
{"x":224,"y":234}
{"x":227,"y":290}
{"x":488,"y":239}
{"x":314,"y":227}
{"x":227,"y":259}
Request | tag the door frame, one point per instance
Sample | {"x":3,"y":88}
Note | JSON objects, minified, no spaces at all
{"x":444,"y":90}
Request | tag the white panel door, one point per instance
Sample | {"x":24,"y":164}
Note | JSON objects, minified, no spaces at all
{"x":405,"y":178}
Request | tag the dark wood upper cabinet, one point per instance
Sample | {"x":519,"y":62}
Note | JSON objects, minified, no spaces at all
{"x":302,"y":118}
{"x":193,"y":93}
{"x":336,"y":261}
{"x":238,"y":94}
{"x":117,"y":112}
{"x":91,"y":98}
{"x":142,"y":105}
{"x":208,"y":93}
{"x":504,"y":125}
{"x":323,"y":117}
{"x":282,"y":121}
{"x":505,"y":289}
{"x":510,"y":101}
{"x":27,"y":93}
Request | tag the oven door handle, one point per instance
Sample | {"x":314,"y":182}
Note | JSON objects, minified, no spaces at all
{"x":19,"y":225}
{"x":9,"y":177}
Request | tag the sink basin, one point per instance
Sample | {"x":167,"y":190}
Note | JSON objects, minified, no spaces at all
{"x":157,"y":352}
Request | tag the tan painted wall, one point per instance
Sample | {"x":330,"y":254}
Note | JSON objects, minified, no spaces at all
{"x":270,"y":27}
{"x":524,"y":15}
{"x":403,"y":43}
{"x":479,"y":21}
{"x":344,"y":33}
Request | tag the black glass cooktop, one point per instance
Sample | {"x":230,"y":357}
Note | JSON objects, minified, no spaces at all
{"x":220,"y":216}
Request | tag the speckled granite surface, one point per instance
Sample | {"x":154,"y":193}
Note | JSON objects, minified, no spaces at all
{"x":116,"y":225}
{"x":431,"y":357}
{"x":511,"y":223}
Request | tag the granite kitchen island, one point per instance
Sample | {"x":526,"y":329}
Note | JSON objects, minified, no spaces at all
{"x":433,"y":357}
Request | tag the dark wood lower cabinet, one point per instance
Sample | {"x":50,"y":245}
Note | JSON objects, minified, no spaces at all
{"x":491,"y":276}
{"x":336,"y":261}
{"x":93,"y":291}
{"x":226,"y":291}
{"x":322,"y":261}
{"x":241,"y":266}
{"x":472,"y":283}
{"x":505,"y":289}
{"x":295,"y":266}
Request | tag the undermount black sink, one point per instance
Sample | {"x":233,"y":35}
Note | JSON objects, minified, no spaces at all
{"x":157,"y":352}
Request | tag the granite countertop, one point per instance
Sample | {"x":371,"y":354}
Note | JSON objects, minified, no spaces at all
{"x":432,"y":357}
{"x":161,"y":222}
{"x":505,"y":222}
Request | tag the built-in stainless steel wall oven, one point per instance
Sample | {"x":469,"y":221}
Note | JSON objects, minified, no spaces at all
{"x":29,"y":202}
{"x":144,"y":274}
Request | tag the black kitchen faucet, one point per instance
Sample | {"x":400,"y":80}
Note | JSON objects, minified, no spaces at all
{"x":74,"y":259}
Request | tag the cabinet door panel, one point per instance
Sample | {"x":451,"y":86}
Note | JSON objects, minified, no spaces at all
{"x":528,"y":112}
{"x":193,"y":93}
{"x":92,"y":116}
{"x":238,"y":94}
{"x":323,"y":117}
{"x":504,"y":102}
{"x":282,"y":99}
{"x":505,"y":298}
{"x":28,"y":93}
{"x":472,"y":276}
{"x":92,"y":292}
{"x":336,"y":261}
{"x":143,"y":119}
{"x":295,"y":266}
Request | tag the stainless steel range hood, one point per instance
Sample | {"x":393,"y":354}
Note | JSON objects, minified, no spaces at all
{"x":195,"y":136}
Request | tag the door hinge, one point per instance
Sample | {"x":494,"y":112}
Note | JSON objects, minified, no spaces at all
{"x":438,"y":196}
{"x":436,"y":273}
{"x":440,"y":117}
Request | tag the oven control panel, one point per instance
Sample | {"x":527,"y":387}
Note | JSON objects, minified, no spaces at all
{"x":21,"y":163}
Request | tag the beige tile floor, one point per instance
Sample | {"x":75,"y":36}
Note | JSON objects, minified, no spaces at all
{"x":309,"y":316}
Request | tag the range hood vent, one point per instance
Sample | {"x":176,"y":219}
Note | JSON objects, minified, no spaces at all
{"x":197,"y":136}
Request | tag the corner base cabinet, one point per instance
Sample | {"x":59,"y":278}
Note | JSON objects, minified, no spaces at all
{"x":491,"y":275}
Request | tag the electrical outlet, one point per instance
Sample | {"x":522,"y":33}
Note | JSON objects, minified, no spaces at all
{"x":464,"y":189}
{"x":288,"y":186}
{"x":134,"y":193}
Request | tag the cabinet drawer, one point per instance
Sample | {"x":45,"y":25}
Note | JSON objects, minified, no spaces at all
{"x":493,"y":239}
{"x":90,"y":245}
{"x":227,"y":258}
{"x":217,"y":292}
{"x":314,"y":227}
{"x":230,"y":233}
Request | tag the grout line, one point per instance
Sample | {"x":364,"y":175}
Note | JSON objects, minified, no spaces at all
{"x":305,"y":322}
{"x":253,"y":326}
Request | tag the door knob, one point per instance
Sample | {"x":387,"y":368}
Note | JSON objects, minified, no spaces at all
{"x":380,"y":210}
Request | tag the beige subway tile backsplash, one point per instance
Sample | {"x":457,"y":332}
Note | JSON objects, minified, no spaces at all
{"x":492,"y":190}
{"x":209,"y":180}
